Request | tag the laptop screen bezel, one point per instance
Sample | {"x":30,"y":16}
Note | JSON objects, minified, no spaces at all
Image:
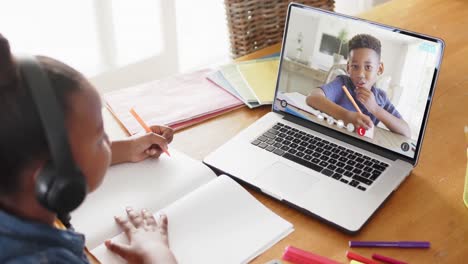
{"x":348,"y":138}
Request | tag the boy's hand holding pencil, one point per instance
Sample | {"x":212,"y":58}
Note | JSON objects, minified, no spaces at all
{"x":357,"y":118}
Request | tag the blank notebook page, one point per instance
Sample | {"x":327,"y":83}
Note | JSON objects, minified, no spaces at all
{"x":219,"y":222}
{"x":152,"y":184}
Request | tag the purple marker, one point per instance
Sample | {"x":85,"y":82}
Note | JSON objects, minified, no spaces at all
{"x":398,"y":244}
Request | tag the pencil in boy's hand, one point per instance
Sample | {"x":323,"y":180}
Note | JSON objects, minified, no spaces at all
{"x":145,"y":126}
{"x":351,"y":99}
{"x":361,"y":131}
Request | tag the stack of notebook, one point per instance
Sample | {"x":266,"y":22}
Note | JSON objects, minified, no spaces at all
{"x":178,"y":101}
{"x":253,"y":82}
{"x":183,"y":100}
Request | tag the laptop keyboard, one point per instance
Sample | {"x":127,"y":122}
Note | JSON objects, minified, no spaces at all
{"x":342,"y":164}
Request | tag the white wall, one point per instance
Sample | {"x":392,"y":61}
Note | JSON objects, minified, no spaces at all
{"x":417,"y":74}
{"x":307,"y":25}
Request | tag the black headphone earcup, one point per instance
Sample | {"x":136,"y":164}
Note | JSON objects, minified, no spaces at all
{"x":60,"y":194}
{"x":43,"y":184}
{"x":67,"y":194}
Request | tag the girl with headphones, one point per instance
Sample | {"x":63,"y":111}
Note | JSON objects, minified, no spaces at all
{"x":53,"y":151}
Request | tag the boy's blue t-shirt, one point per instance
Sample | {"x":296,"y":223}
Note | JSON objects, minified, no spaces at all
{"x":23,"y":241}
{"x":334,"y":93}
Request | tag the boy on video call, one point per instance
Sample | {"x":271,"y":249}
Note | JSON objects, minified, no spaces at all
{"x":364,"y":66}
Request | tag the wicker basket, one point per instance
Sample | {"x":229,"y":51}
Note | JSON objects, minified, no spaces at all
{"x":255,"y":24}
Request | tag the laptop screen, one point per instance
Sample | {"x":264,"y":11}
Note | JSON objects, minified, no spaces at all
{"x":366,"y":80}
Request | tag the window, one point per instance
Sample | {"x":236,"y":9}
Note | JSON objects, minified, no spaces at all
{"x":331,"y":45}
{"x":119,"y":43}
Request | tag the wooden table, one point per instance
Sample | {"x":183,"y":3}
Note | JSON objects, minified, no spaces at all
{"x":428,"y":205}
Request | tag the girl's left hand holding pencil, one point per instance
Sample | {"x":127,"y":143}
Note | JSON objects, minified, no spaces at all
{"x":142,"y":145}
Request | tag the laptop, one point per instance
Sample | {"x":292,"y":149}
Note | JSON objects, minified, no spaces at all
{"x":346,"y":128}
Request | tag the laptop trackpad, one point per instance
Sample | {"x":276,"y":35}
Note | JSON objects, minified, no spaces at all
{"x":284,"y":180}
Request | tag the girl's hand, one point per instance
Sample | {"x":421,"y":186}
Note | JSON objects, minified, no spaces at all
{"x":150,"y":144}
{"x":142,"y":146}
{"x":166,"y":132}
{"x":148,"y":239}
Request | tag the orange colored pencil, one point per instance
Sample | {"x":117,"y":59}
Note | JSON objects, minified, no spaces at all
{"x":140,"y":121}
{"x":351,"y":98}
{"x":145,"y":126}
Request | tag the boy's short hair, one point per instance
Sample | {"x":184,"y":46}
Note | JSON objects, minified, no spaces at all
{"x":365,"y":41}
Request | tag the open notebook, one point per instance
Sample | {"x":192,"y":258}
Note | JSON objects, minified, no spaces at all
{"x":211,"y":219}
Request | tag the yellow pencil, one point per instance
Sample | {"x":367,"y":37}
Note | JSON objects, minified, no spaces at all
{"x":351,"y":99}
{"x":145,"y":126}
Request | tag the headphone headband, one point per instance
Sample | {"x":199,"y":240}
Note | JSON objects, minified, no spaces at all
{"x":60,"y":186}
{"x":50,"y":112}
